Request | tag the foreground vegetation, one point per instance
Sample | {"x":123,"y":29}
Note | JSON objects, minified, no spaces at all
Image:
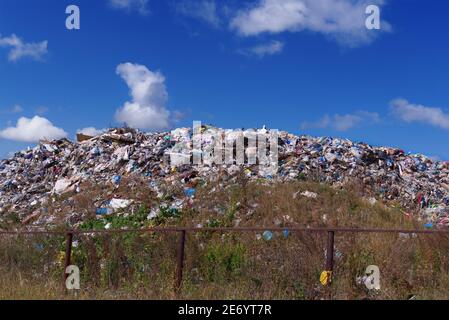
{"x":234,"y":265}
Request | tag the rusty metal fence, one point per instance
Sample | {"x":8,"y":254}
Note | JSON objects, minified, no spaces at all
{"x":182,"y":231}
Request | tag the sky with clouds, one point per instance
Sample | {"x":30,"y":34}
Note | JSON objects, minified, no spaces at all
{"x":305,"y":66}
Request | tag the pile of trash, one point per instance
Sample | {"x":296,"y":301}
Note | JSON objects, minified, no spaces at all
{"x":30,"y":179}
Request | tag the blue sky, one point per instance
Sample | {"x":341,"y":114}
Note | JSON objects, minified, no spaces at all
{"x":298,"y":65}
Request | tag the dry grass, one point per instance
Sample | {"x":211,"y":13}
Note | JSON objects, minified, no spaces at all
{"x":238,"y":265}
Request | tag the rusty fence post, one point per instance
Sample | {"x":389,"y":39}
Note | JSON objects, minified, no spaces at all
{"x":68,"y":254}
{"x":329,"y":262}
{"x":330,"y":251}
{"x":180,"y":264}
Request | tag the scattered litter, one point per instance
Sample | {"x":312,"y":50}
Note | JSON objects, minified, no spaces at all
{"x":372,"y":201}
{"x":309,"y":194}
{"x":153,"y":214}
{"x":338,"y":254}
{"x":103,"y":211}
{"x":117,"y":204}
{"x":267,"y":235}
{"x":61,"y":186}
{"x":116,"y":179}
{"x":325,"y":277}
{"x":190,"y":192}
{"x":407,"y":235}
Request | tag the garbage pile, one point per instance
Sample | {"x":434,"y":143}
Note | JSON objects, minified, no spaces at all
{"x":30,"y":180}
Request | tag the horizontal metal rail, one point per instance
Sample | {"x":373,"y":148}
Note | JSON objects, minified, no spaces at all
{"x":237,"y":229}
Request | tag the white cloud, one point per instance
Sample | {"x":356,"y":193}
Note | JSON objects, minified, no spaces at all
{"x":20,"y":49}
{"x":139,"y":5}
{"x":14,"y":109}
{"x":265,"y":49}
{"x":41,"y":110}
{"x":343,"y":122}
{"x":323,"y":123}
{"x":149,"y":96}
{"x":409,"y":113}
{"x":342,"y":20}
{"x":205,"y":10}
{"x":91,"y":131}
{"x":33,"y":130}
{"x":349,"y":121}
{"x":17,"y":109}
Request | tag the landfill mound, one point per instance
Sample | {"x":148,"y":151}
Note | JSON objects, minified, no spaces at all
{"x":33,"y":179}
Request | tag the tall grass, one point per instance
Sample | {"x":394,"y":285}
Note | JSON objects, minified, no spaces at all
{"x":236,"y":265}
